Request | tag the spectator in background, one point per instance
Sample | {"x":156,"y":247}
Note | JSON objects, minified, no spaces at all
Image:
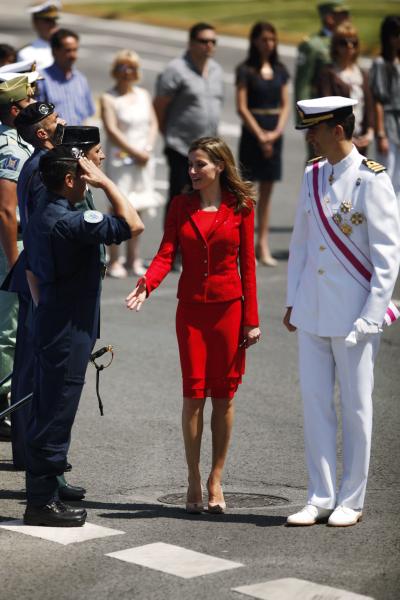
{"x":313,"y":52}
{"x":44,"y":21}
{"x":15,"y":94}
{"x":345,"y":78}
{"x":131,"y":125}
{"x":188,"y":102}
{"x":263,"y":105}
{"x":8,"y":55}
{"x":385,"y":85}
{"x":63,"y":85}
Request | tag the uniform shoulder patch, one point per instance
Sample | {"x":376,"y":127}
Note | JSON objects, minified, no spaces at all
{"x":93,"y":216}
{"x":374,"y":166}
{"x":315,"y":159}
{"x":10,"y":163}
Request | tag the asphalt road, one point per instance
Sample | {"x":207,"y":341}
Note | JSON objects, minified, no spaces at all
{"x":133,"y":456}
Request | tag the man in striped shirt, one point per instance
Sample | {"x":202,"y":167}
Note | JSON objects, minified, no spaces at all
{"x":63,"y":85}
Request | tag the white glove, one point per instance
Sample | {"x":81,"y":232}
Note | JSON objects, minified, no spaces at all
{"x":361,"y":329}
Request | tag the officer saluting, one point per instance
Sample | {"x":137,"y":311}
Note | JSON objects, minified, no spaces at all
{"x":62,"y":245}
{"x":343,"y":265}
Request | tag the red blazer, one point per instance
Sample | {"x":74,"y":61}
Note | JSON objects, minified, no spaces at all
{"x":210,"y":265}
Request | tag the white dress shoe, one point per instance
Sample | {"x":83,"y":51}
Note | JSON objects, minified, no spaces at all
{"x":309,"y":515}
{"x":343,"y":516}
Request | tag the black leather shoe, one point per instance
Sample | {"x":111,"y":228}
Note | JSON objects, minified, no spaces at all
{"x":68,"y":467}
{"x":5,"y":430}
{"x":69,"y":492}
{"x":55,"y":514}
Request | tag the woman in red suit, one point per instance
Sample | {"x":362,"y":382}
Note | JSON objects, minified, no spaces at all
{"x":217,"y":316}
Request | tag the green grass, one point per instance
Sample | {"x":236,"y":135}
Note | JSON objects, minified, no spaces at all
{"x":293,"y":18}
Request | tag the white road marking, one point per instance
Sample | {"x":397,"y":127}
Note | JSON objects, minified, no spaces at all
{"x":174,"y":560}
{"x":296,"y":589}
{"x":61,"y":535}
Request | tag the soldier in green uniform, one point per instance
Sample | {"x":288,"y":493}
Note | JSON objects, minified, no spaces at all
{"x":313,"y":52}
{"x":15,"y":94}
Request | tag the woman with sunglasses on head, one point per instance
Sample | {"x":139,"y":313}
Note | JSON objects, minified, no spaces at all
{"x":344,"y":77}
{"x":385,"y":85}
{"x":217,"y":316}
{"x":131,"y":126}
{"x":262,"y":99}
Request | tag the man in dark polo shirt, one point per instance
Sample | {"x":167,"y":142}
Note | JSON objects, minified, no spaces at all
{"x":188,"y":102}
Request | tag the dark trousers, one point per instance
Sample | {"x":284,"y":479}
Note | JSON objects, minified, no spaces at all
{"x":178,"y":174}
{"x":22,"y":381}
{"x":63,"y":343}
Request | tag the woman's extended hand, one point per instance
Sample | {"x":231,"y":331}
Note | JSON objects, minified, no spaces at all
{"x":137,"y":297}
{"x":251,"y":335}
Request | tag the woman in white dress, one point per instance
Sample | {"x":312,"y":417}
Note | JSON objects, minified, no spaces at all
{"x":131,"y":126}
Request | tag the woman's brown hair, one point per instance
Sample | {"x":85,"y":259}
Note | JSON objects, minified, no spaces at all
{"x":218,"y":151}
{"x":344,"y":31}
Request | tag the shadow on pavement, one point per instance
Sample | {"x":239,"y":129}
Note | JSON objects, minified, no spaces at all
{"x":157,"y":511}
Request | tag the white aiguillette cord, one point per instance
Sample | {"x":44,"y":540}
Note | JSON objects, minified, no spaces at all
{"x":99,"y":368}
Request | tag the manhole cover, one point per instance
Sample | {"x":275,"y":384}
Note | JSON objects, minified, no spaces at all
{"x":233,"y":500}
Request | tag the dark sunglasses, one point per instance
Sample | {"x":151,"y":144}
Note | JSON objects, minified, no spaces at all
{"x":123,"y":68}
{"x":206,"y":41}
{"x":345,"y":43}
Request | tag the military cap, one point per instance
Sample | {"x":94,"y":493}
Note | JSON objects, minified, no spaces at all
{"x":80,"y":136}
{"x":22,"y":67}
{"x":45,"y":10}
{"x":336,"y":6}
{"x":319,"y":110}
{"x":15,"y":89}
{"x":33,"y":113}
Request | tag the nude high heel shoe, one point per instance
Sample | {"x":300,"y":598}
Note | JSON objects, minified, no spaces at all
{"x":216,"y":508}
{"x":195,"y":508}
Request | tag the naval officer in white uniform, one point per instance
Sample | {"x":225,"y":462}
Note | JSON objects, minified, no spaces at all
{"x":343,"y":264}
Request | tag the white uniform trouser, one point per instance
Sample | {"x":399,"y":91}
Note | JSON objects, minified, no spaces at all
{"x":318,"y":358}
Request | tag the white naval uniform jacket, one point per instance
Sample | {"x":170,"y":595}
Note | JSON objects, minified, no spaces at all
{"x":325,"y":297}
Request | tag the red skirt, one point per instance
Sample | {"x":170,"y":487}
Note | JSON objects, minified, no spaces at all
{"x":209,"y":335}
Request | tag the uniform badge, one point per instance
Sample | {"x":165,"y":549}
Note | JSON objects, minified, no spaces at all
{"x":346,"y":206}
{"x":93,"y":216}
{"x":10,"y":163}
{"x":357,"y":218}
{"x":337,"y":218}
{"x":346,"y":228}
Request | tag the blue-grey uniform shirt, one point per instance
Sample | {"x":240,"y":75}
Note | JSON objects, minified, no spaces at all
{"x":195,"y":108}
{"x":62,"y":246}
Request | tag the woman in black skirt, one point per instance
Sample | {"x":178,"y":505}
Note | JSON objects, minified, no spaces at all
{"x":263,"y":105}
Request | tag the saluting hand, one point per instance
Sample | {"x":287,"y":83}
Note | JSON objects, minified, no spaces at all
{"x":137,"y":297}
{"x":92,"y":174}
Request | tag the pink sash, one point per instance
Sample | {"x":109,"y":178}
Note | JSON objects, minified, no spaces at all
{"x":344,"y":249}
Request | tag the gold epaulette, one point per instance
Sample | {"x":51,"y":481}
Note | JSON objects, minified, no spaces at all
{"x":374,"y":166}
{"x":315,"y":159}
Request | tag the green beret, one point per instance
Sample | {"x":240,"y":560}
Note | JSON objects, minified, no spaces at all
{"x":15,"y":89}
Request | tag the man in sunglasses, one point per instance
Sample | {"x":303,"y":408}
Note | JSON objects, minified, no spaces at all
{"x":313,"y":52}
{"x":44,"y":21}
{"x":15,"y":94}
{"x":189,"y":95}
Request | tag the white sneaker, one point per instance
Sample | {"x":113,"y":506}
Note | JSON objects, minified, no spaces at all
{"x":309,"y":515}
{"x":343,"y":516}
